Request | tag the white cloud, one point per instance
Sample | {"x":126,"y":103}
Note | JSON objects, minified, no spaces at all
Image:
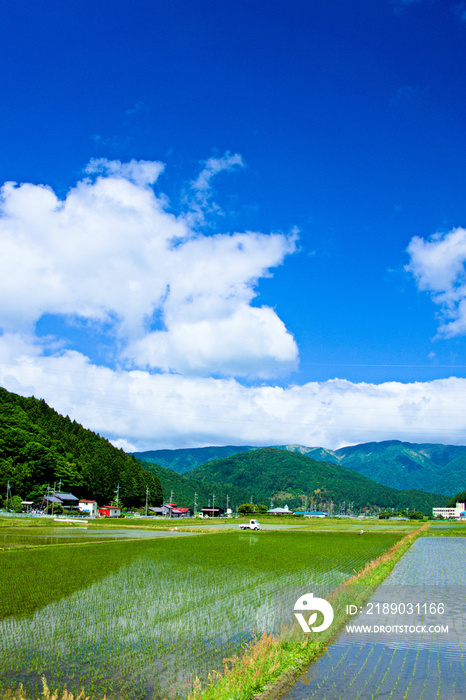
{"x":198,"y":198}
{"x":438,"y":267}
{"x":112,"y":252}
{"x":141,"y":172}
{"x":213,"y":166}
{"x":250,"y":342}
{"x":147,"y":411}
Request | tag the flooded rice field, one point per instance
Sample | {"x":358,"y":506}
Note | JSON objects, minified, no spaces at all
{"x":137,"y":619}
{"x":77,"y":534}
{"x":409,"y":641}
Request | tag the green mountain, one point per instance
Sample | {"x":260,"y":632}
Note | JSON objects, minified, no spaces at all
{"x":287,"y":477}
{"x":39,"y":447}
{"x":182,"y":489}
{"x":186,"y":459}
{"x":430,"y":467}
{"x":401,"y":465}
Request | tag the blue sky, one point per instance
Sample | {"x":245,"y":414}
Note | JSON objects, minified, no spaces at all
{"x":236,"y":222}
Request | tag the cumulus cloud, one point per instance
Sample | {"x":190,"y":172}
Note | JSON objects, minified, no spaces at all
{"x":141,"y":411}
{"x":249,"y":342}
{"x":141,"y":172}
{"x":437,"y":264}
{"x":112,"y":252}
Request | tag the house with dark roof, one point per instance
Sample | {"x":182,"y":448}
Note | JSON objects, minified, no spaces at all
{"x":66,"y":500}
{"x":209,"y":512}
{"x":170,"y":510}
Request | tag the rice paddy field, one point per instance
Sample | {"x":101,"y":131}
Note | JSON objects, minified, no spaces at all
{"x":409,"y":641}
{"x":143,"y":618}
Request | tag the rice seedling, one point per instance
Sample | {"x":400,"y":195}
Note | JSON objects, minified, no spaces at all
{"x":414,"y":664}
{"x":146,"y":619}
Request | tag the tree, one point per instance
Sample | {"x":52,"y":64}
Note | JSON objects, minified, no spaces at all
{"x":16,"y":504}
{"x":416,"y":515}
{"x":246,"y":508}
{"x":459,"y":498}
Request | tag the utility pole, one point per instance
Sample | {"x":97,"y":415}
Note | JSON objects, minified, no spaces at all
{"x":195,"y":503}
{"x":117,"y":491}
{"x":147,"y":495}
{"x":8,"y":492}
{"x":271,"y":503}
{"x":53,"y":502}
{"x":213,"y":505}
{"x":228,"y":500}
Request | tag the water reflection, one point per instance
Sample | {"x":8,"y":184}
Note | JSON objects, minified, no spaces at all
{"x":412,"y":656}
{"x":78,"y":534}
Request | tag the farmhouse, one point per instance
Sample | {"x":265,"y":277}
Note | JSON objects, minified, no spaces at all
{"x":155,"y":510}
{"x":170,"y":510}
{"x":455,"y":512}
{"x":66,"y":500}
{"x":212,"y":512}
{"x":181,"y":512}
{"x":109,"y":512}
{"x":88,"y":507}
{"x":279,"y":511}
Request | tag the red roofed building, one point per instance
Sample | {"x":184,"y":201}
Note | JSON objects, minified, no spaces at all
{"x":109,"y":512}
{"x":181,"y":513}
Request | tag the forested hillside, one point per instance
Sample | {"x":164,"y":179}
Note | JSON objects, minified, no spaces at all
{"x":401,"y":465}
{"x":185,"y":459}
{"x":288,"y":476}
{"x":184,"y":488}
{"x":39,"y":447}
{"x":427,"y":466}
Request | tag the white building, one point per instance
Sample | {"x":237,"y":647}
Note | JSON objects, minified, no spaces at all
{"x":88,"y":507}
{"x":280,"y":511}
{"x":449,"y":512}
